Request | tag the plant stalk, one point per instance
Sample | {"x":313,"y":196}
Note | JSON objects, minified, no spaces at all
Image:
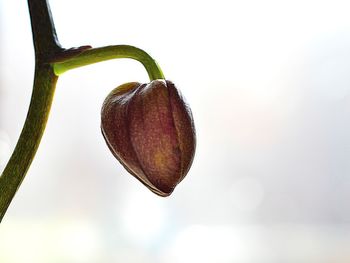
{"x":45,"y":45}
{"x":28,"y":143}
{"x":95,"y":55}
{"x":51,"y":60}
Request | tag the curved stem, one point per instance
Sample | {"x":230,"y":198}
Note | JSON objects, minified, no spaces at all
{"x":95,"y":55}
{"x":46,"y":46}
{"x":28,"y":142}
{"x":51,"y":60}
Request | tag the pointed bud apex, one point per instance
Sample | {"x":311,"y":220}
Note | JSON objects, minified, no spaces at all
{"x":150,"y":130}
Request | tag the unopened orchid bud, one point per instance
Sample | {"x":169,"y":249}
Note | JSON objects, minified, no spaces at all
{"x":149,"y":128}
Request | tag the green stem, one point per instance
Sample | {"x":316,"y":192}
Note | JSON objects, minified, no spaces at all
{"x":28,"y":142}
{"x":45,"y":41}
{"x":46,"y":46}
{"x":51,"y":60}
{"x":95,"y":55}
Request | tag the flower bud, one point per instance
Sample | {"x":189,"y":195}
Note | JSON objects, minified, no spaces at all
{"x":150,"y":130}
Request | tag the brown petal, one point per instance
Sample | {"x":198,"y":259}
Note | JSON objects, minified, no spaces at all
{"x":154,"y":136}
{"x":186,"y":132}
{"x":114,"y":126}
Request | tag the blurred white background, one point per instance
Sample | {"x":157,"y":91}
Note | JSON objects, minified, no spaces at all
{"x":269,"y":86}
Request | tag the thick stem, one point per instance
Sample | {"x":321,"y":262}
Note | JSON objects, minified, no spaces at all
{"x":46,"y":46}
{"x":27,"y":145}
{"x":45,"y":40}
{"x":94,"y":55}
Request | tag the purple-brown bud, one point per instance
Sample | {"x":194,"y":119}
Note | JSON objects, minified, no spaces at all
{"x":150,"y":130}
